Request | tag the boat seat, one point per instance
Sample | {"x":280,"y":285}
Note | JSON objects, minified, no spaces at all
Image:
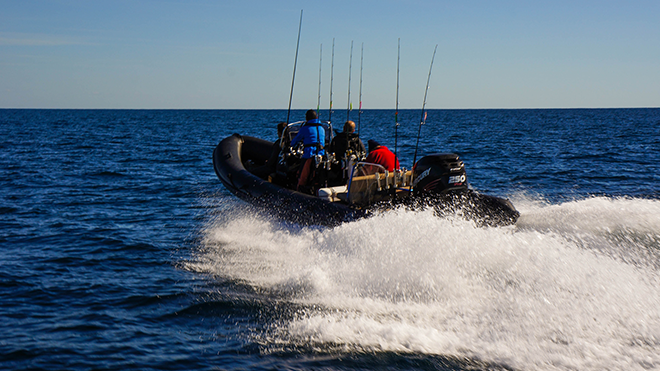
{"x":332,"y":194}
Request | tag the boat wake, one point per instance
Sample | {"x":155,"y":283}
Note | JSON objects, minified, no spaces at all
{"x":570,"y":286}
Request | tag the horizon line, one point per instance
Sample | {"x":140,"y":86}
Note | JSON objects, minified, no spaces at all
{"x":322,"y":110}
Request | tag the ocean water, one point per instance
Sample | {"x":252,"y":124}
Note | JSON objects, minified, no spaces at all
{"x":120,"y":249}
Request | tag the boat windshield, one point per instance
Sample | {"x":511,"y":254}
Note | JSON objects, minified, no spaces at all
{"x":292,"y":129}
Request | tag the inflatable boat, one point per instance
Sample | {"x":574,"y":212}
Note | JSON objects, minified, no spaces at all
{"x":348,"y":189}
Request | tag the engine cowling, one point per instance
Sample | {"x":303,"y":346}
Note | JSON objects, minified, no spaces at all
{"x":439,"y":173}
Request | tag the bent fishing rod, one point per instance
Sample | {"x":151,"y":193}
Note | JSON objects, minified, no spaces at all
{"x":295,"y":64}
{"x":423,"y":119}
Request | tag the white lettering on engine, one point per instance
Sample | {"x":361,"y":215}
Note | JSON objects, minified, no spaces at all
{"x":457,"y":179}
{"x":421,"y":176}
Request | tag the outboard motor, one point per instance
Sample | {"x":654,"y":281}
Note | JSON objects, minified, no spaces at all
{"x":439,"y":173}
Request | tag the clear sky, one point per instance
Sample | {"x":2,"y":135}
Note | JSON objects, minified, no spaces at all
{"x":240,"y":53}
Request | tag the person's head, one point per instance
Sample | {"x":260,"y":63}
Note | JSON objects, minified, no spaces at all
{"x":349,"y":127}
{"x":310,"y":115}
{"x":373,"y":144}
{"x":280,"y":128}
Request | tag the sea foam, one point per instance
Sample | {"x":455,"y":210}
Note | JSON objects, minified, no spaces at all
{"x":570,"y":286}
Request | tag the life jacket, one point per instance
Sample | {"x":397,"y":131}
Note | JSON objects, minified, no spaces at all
{"x":344,"y":142}
{"x":353,"y":142}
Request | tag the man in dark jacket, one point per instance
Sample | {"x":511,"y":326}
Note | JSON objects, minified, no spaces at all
{"x":347,"y":140}
{"x":271,"y":163}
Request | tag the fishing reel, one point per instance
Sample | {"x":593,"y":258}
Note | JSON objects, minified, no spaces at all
{"x":294,"y":152}
{"x":324,"y":161}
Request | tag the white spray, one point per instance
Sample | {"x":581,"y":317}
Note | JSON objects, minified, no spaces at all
{"x":571,"y":286}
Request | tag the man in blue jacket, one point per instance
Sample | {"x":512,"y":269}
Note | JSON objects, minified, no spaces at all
{"x":312,"y":134}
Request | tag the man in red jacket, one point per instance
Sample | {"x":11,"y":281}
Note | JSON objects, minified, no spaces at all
{"x":381,"y":155}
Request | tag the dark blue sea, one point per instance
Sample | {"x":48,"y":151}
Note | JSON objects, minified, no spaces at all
{"x":120,"y":249}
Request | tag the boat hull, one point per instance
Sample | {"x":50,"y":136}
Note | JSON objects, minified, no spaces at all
{"x":233,"y":153}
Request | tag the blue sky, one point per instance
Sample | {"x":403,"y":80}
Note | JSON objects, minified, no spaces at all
{"x":240,"y":54}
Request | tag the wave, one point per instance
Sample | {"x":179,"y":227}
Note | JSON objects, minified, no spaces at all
{"x":574,"y":285}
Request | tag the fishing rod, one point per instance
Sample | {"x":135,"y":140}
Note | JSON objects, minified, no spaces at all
{"x":360,"y":108}
{"x":318,"y":103}
{"x":423,"y":120}
{"x":350,"y":66}
{"x":332,"y":70}
{"x":396,"y":111}
{"x":295,"y":63}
